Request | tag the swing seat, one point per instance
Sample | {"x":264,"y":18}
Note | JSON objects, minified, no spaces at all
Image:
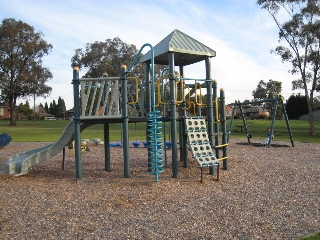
{"x":136,"y":144}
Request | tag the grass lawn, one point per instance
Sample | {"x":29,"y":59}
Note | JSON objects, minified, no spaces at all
{"x":315,"y":236}
{"x":50,"y":131}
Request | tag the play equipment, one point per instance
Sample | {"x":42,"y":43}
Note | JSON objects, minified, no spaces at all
{"x":200,"y":145}
{"x":276,"y":100}
{"x":84,"y":147}
{"x":5,"y":139}
{"x":20,"y":163}
{"x":107,"y":100}
{"x":71,"y":146}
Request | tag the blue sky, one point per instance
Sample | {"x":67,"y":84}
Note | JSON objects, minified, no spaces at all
{"x":241,"y":33}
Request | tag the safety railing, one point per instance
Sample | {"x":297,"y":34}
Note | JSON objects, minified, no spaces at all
{"x":99,"y":97}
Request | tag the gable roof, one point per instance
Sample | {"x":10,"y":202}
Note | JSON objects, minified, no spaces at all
{"x":46,"y":115}
{"x":186,"y":50}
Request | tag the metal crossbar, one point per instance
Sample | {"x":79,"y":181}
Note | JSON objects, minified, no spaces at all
{"x":200,"y":145}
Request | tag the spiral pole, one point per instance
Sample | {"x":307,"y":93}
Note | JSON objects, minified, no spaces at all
{"x":155,"y":149}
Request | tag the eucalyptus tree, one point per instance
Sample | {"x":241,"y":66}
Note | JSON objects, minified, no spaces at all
{"x":21,"y":70}
{"x":300,"y":34}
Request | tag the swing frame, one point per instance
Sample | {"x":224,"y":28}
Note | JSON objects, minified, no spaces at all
{"x":276,"y":100}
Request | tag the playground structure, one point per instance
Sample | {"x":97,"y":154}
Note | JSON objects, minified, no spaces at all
{"x":108,"y":100}
{"x":276,"y":100}
{"x":5,"y":139}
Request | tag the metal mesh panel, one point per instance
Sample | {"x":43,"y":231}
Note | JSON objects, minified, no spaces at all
{"x":199,"y":142}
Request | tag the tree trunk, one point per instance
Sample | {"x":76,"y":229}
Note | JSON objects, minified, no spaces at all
{"x":13,"y":112}
{"x":34,"y":107}
{"x":311,"y":119}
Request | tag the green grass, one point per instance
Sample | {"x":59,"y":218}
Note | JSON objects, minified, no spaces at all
{"x":50,"y":131}
{"x":299,"y":128}
{"x":315,"y":236}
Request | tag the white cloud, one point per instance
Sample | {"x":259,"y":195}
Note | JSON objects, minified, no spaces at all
{"x":238,"y":30}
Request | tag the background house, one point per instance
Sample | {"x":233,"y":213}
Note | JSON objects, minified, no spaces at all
{"x":4,"y":110}
{"x":316,"y":115}
{"x":47,"y":116}
{"x":253,"y":113}
{"x":229,"y":111}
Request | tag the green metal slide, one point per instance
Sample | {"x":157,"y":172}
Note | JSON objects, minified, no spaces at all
{"x":19,"y":164}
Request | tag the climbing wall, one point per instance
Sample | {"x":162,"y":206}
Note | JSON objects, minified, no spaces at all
{"x":199,"y":142}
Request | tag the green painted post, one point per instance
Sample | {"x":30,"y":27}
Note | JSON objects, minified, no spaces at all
{"x":76,"y":120}
{"x":148,"y":90}
{"x":223,"y":128}
{"x":148,"y":107}
{"x":199,"y":101}
{"x":244,"y":123}
{"x":173,"y":117}
{"x":106,"y":133}
{"x":216,"y":117}
{"x":287,"y":121}
{"x":184,"y":137}
{"x":232,"y":118}
{"x":107,"y":147}
{"x":182,"y":112}
{"x":213,"y":132}
{"x":211,"y":88}
{"x":179,"y":96}
{"x":164,"y":123}
{"x":273,"y":120}
{"x":125,"y":121}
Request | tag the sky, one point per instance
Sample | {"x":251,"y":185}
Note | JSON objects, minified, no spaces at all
{"x":241,"y":33}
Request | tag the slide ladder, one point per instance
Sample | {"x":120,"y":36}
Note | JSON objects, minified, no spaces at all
{"x":200,"y":145}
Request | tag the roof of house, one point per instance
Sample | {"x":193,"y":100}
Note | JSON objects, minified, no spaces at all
{"x":228,"y":108}
{"x":186,"y":50}
{"x":46,"y":115}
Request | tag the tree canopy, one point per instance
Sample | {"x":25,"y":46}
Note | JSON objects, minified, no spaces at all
{"x":269,"y":90}
{"x":296,"y":106}
{"x":301,"y":35}
{"x":106,"y":57}
{"x":57,"y":109}
{"x":21,"y":70}
{"x":25,"y":109}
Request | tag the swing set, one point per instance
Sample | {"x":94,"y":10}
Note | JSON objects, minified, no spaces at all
{"x":276,"y":100}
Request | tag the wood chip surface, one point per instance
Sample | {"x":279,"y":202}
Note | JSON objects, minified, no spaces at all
{"x":267,"y":193}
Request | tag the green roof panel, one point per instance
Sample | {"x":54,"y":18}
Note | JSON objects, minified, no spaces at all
{"x":186,"y":50}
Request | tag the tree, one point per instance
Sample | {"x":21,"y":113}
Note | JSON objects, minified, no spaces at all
{"x":21,"y":70}
{"x":296,"y":106}
{"x":41,"y":109}
{"x":261,"y":91}
{"x":57,"y":109}
{"x":61,"y":108}
{"x":40,"y":90}
{"x":46,"y":107}
{"x":100,"y":57}
{"x":301,"y":33}
{"x":53,"y":108}
{"x":267,"y":90}
{"x":25,"y":109}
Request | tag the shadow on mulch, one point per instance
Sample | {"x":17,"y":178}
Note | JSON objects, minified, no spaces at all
{"x":260,"y":145}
